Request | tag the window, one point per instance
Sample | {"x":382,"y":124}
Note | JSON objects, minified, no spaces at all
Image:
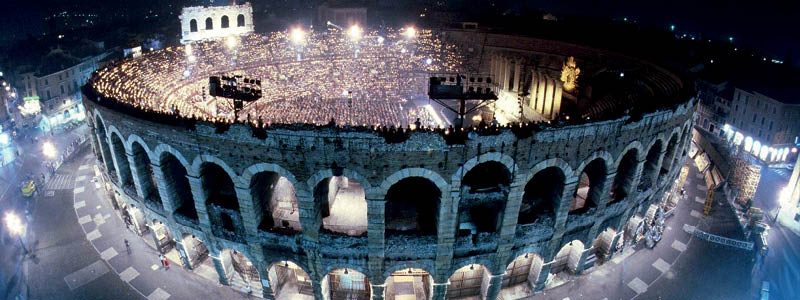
{"x":209,"y":24}
{"x":774,"y":110}
{"x":737,"y":107}
{"x":224,"y":22}
{"x":762,"y":120}
{"x":770,"y":125}
{"x":59,"y":76}
{"x":45,"y":82}
{"x":754,"y":117}
{"x":48,"y":94}
{"x":240,"y":21}
{"x":62,"y":89}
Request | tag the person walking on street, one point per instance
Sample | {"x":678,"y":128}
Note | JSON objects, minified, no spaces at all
{"x":164,"y":261}
{"x":128,"y":246}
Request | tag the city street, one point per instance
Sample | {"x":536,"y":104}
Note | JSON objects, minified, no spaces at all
{"x":31,"y":162}
{"x":680,"y":266}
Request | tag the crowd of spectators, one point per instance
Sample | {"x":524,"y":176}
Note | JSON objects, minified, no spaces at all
{"x":376,"y":79}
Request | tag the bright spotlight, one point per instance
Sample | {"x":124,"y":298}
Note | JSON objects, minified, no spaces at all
{"x":410,"y":32}
{"x":298,"y":35}
{"x":231,"y":42}
{"x":428,"y":61}
{"x":13,"y":223}
{"x":49,"y":150}
{"x":188,"y":49}
{"x":354,"y":32}
{"x":380,"y":40}
{"x":3,"y":139}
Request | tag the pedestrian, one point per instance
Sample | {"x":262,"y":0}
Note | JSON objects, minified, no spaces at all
{"x":128,"y":246}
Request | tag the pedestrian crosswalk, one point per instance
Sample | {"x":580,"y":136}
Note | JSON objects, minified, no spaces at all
{"x":60,"y":182}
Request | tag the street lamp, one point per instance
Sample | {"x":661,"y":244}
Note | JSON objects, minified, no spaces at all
{"x":48,"y":149}
{"x":15,"y":227}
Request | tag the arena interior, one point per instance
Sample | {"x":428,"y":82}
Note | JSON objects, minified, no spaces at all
{"x":328,"y":187}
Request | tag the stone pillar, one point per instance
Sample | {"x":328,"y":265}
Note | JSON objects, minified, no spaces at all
{"x":562,"y":211}
{"x":376,"y":230}
{"x":548,"y":98}
{"x":532,"y":89}
{"x":517,"y":76}
{"x":508,"y":228}
{"x":223,"y":278}
{"x":439,"y":291}
{"x":153,"y":235}
{"x":246,"y":210}
{"x":137,"y":176}
{"x":119,"y":163}
{"x":506,"y":73}
{"x":199,"y":195}
{"x":266,"y":288}
{"x":182,"y":251}
{"x":543,"y":274}
{"x":582,"y":260}
{"x":541,"y":87}
{"x":614,"y":243}
{"x":602,"y":198}
{"x":105,"y":154}
{"x":446,"y":233}
{"x":377,"y":291}
{"x":495,"y":284}
{"x":166,"y":191}
{"x":559,"y":87}
{"x":310,"y":217}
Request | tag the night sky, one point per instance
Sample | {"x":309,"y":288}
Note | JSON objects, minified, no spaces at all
{"x":767,"y":25}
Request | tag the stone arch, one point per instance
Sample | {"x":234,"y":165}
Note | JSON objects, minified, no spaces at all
{"x":193,"y":25}
{"x":273,"y":195}
{"x":243,"y":270}
{"x":143,"y":171}
{"x":669,"y":155}
{"x":632,"y":145}
{"x":589,"y":190}
{"x":101,"y":133}
{"x":468,"y":281}
{"x":430,"y":201}
{"x":157,"y":155}
{"x":651,"y":164}
{"x":626,"y":172}
{"x":209,"y":23}
{"x":120,"y":158}
{"x":606,"y":157}
{"x":413,"y":280}
{"x":196,"y":248}
{"x":240,"y":20}
{"x":221,"y":200}
{"x":224,"y":22}
{"x":204,"y":158}
{"x":552,"y":162}
{"x":357,"y":286}
{"x":568,"y":257}
{"x":506,"y":160}
{"x":401,"y":265}
{"x":540,"y":205}
{"x":283,"y":278}
{"x":484,"y":190}
{"x":347,"y":214}
{"x":133,"y":138}
{"x":523,"y":269}
{"x":418,"y":172}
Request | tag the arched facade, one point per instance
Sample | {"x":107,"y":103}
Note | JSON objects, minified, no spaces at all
{"x":271,"y":198}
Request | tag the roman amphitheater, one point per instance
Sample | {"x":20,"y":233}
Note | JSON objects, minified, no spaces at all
{"x":328,"y":188}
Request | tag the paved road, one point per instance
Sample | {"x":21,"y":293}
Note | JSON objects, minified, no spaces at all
{"x":30,"y":162}
{"x":782,"y":265}
{"x":81,"y":252}
{"x":679,"y":267}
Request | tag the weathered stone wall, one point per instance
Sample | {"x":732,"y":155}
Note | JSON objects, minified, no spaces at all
{"x":305,"y":158}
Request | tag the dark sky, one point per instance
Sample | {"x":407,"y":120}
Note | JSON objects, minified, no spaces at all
{"x":768,"y":25}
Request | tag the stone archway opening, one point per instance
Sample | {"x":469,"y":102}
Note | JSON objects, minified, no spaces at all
{"x":177,"y":186}
{"x":634,"y":228}
{"x":410,"y":283}
{"x":209,"y":24}
{"x":590,"y":187}
{"x":161,"y":236}
{"x":240,"y":21}
{"x":197,"y":254}
{"x":134,"y":218}
{"x":626,"y":174}
{"x":224,"y":22}
{"x":650,"y":173}
{"x":603,"y":246}
{"x":221,"y":202}
{"x":118,"y":150}
{"x":469,"y":281}
{"x":343,"y":205}
{"x":521,"y":275}
{"x":412,"y":207}
{"x":193,"y":25}
{"x":276,"y":204}
{"x":484,"y":192}
{"x":542,"y":195}
{"x":289,"y":282}
{"x":102,"y":137}
{"x":242,"y":275}
{"x":565,"y":263}
{"x":346,"y":284}
{"x":666,"y":164}
{"x":147,"y":179}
